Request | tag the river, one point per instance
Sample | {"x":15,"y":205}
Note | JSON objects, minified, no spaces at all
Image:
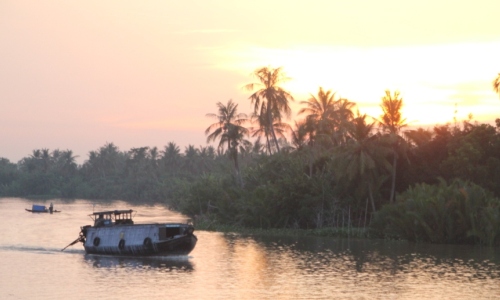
{"x":229,"y":266}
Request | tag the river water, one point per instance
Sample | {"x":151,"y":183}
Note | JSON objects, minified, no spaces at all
{"x":229,"y":266}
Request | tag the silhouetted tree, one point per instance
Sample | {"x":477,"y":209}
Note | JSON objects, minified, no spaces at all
{"x":391,"y":123}
{"x":229,"y":131}
{"x":496,"y":84}
{"x":270,"y":100}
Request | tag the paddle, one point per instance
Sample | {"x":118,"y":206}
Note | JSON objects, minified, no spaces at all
{"x":79,"y":239}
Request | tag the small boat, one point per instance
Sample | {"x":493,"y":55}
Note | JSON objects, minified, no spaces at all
{"x":35,"y":208}
{"x":115,"y":233}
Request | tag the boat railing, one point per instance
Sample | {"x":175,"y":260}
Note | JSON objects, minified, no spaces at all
{"x":106,"y":218}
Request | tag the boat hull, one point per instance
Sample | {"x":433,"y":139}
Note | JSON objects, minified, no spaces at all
{"x":41,"y":212}
{"x":140,"y":240}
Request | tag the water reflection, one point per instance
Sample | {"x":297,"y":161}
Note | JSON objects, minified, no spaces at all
{"x":373,"y":266}
{"x":233,"y":266}
{"x":177,"y":263}
{"x":393,"y":257}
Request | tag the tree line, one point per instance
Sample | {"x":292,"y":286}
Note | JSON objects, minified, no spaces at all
{"x":334,"y":167}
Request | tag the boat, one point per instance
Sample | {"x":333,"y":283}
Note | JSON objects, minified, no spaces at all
{"x":36,"y":208}
{"x":115,"y":233}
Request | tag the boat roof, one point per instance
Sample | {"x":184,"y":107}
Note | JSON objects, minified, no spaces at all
{"x":112,"y":212}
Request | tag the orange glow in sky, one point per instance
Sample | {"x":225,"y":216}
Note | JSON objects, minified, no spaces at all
{"x":76,"y":75}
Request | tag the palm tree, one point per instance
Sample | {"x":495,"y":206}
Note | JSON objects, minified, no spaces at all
{"x":496,"y":84}
{"x":154,"y":158}
{"x":32,"y":163}
{"x":190,"y":159}
{"x":65,"y":162}
{"x":264,"y":129}
{"x":327,"y":115}
{"x":344,"y":116}
{"x":171,"y":158}
{"x":364,"y":156}
{"x":154,"y":155}
{"x":257,"y":147}
{"x":302,"y":140}
{"x":228,"y":130}
{"x":105,"y":171}
{"x":227,"y":116}
{"x":138,"y":162}
{"x":301,"y":135}
{"x":392,"y":120}
{"x":236,"y":137}
{"x":270,"y":100}
{"x":391,"y":123}
{"x":46,"y":159}
{"x":206,"y":157}
{"x":321,"y":112}
{"x":418,"y":137}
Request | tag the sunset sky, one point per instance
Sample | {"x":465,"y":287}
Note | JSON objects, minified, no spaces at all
{"x":75,"y":75}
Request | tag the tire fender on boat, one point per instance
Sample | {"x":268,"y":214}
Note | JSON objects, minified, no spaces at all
{"x":148,"y":243}
{"x":97,"y":241}
{"x":121,"y":244}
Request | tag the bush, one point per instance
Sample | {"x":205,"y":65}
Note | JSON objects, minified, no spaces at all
{"x":459,"y":212}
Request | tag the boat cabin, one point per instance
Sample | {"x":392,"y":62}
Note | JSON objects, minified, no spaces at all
{"x":112,"y":217}
{"x":170,"y":231}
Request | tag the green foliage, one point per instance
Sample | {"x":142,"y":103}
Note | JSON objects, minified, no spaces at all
{"x":459,"y":212}
{"x":469,"y":152}
{"x":280,"y":193}
{"x":8,"y":177}
{"x":203,"y":223}
{"x":273,"y":188}
{"x":207,"y":195}
{"x":329,"y":186}
{"x":277,"y":194}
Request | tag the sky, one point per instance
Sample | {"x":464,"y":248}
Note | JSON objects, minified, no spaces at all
{"x":75,"y":75}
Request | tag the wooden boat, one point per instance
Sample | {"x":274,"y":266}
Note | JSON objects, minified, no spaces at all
{"x":45,"y":211}
{"x":115,"y":233}
{"x":35,"y":208}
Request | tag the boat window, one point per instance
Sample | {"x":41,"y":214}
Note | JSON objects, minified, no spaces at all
{"x":112,"y":217}
{"x":103,"y":219}
{"x":123,"y":218}
{"x":168,"y":232}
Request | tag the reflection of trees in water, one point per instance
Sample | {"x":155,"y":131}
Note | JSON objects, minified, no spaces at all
{"x":356,"y":258}
{"x":399,"y":256}
{"x":177,"y":263}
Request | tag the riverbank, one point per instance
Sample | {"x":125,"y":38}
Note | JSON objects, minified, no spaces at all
{"x":336,"y":232}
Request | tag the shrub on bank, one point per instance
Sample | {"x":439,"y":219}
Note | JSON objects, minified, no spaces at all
{"x":459,"y":212}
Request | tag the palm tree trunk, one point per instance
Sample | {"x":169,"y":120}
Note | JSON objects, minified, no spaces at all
{"x":311,"y":160}
{"x":366,"y":212}
{"x":393,"y":187}
{"x":271,"y":126}
{"x":268,"y":144}
{"x":275,"y":139}
{"x":370,"y":194}
{"x":237,"y":166}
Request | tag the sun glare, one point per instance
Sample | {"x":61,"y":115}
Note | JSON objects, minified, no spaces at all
{"x":430,"y":78}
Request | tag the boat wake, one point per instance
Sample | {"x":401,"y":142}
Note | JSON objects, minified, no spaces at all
{"x":37,"y":249}
{"x":51,"y":250}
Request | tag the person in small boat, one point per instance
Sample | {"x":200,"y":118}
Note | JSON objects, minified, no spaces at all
{"x":51,"y":207}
